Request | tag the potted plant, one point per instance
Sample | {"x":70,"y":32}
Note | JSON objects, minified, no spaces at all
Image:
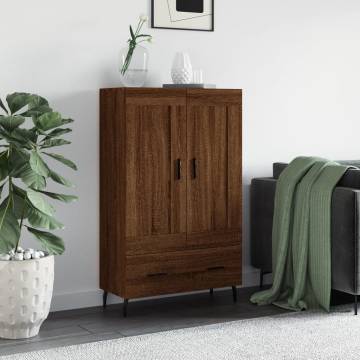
{"x":27,"y":276}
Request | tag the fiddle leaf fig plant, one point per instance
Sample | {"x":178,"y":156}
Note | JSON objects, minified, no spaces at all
{"x":29,"y":129}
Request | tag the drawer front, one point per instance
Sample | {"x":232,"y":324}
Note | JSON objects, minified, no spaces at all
{"x":158,"y":274}
{"x":181,"y":242}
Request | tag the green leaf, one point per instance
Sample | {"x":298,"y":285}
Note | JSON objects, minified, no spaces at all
{"x":67,"y":121}
{"x":60,"y":180}
{"x":32,"y":179}
{"x":40,"y":220}
{"x":39,"y":203}
{"x":9,"y":123}
{"x":20,"y":208}
{"x":16,"y":138}
{"x":37,"y":111}
{"x":37,"y":101}
{"x":17,"y":101}
{"x":51,"y":243}
{"x":54,"y":142}
{"x":3,"y":106}
{"x":25,"y":135}
{"x":60,"y":197}
{"x":1,"y":188}
{"x":47,"y":121}
{"x":9,"y":227}
{"x":18,"y":160}
{"x":132,"y":34}
{"x":38,"y":165}
{"x":62,"y":160}
{"x":58,"y":132}
{"x":3,"y":165}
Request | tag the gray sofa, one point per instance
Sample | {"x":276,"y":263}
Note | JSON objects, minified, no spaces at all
{"x":345,"y":228}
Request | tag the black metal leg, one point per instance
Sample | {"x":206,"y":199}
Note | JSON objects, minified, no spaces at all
{"x":355,"y":305}
{"x":125,"y":306}
{"x":211,"y":291}
{"x":261,"y":278}
{"x":234,"y":290}
{"x":105,"y":295}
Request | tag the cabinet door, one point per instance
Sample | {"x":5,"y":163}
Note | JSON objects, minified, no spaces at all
{"x":214,"y":194}
{"x":155,"y":170}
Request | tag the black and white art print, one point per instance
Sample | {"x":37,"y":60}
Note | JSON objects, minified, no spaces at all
{"x":183,"y":14}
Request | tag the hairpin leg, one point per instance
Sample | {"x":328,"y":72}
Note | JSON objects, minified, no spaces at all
{"x":105,"y":295}
{"x":125,"y":306}
{"x":234,"y":290}
{"x":355,"y":305}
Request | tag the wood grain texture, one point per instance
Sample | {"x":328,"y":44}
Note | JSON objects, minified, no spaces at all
{"x":162,"y":229}
{"x":155,"y":197}
{"x":214,"y":140}
{"x":183,"y":271}
{"x":112,"y":189}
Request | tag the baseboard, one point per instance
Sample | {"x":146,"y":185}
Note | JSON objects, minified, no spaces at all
{"x":90,"y":298}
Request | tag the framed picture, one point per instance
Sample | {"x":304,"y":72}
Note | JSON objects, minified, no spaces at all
{"x":183,"y":14}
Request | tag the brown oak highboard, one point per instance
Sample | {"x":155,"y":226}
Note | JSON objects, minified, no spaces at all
{"x":170,"y":191}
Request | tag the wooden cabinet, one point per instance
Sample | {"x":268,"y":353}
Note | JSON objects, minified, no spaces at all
{"x":170,"y":190}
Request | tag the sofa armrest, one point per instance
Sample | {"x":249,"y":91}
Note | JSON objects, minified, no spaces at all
{"x":262,"y":195}
{"x":345,"y":239}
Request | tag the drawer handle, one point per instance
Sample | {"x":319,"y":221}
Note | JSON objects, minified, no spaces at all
{"x":214,"y":268}
{"x":157,"y":274}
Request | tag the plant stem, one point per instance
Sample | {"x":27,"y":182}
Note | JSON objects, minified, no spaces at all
{"x":137,"y":28}
{"x":21,"y":221}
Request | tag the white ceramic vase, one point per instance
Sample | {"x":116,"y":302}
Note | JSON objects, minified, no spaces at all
{"x":25,"y":296}
{"x":181,"y":71}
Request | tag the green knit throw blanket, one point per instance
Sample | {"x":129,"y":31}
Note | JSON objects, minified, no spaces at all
{"x":301,"y":249}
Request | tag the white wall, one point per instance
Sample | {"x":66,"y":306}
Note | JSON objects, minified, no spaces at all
{"x":297,"y":61}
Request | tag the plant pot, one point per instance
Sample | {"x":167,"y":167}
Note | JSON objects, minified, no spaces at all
{"x":137,"y":70}
{"x":25,"y":296}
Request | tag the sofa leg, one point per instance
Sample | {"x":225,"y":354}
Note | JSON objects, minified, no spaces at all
{"x":211,"y":291}
{"x":261,"y":278}
{"x":125,"y":307}
{"x":105,"y":295}
{"x":234,"y":291}
{"x":355,"y":305}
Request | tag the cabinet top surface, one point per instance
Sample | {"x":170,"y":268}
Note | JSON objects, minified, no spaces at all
{"x":148,"y":89}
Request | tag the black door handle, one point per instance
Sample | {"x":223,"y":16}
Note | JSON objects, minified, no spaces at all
{"x":194,"y":168}
{"x":214,"y":268}
{"x":157,"y":274}
{"x":178,"y":169}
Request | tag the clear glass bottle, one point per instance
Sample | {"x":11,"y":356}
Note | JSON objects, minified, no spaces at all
{"x":134,"y":67}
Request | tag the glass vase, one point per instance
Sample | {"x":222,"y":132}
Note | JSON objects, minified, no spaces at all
{"x":134,"y":66}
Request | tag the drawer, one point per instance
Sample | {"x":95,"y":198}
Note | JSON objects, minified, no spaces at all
{"x":181,"y":242}
{"x":157,"y":274}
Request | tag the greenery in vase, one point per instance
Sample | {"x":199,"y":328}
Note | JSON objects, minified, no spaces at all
{"x":24,"y":173}
{"x":135,"y":39}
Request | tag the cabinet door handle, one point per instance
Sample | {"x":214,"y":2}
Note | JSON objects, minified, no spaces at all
{"x":194,"y":168}
{"x":214,"y":268}
{"x":157,"y":274}
{"x":178,"y":169}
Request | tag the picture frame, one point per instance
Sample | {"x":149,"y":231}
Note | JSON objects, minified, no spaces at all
{"x":192,"y":15}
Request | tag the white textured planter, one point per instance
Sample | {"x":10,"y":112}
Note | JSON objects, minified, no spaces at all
{"x":25,"y":296}
{"x":181,"y":71}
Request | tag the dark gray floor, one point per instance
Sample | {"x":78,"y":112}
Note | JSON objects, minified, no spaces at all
{"x":95,"y":324}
